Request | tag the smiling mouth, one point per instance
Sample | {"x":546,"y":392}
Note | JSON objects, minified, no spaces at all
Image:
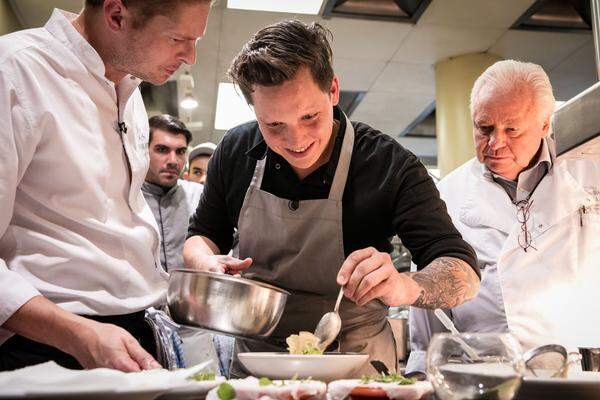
{"x":299,"y":150}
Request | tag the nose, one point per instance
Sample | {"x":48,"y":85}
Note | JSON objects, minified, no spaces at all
{"x":172,"y":158}
{"x":497,"y":139}
{"x":294,"y":136}
{"x":188,"y":55}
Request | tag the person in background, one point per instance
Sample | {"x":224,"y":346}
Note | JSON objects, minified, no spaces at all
{"x":533,"y":219}
{"x":172,"y":200}
{"x":79,"y":246}
{"x":198,"y":162}
{"x":316,"y":198}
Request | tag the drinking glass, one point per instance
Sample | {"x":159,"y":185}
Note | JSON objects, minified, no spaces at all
{"x":475,"y":366}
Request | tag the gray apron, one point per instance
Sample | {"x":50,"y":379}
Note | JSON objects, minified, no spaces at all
{"x":299,"y":246}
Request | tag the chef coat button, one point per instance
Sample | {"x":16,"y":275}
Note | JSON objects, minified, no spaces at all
{"x":277,"y":166}
{"x":293,"y":205}
{"x":540,"y":226}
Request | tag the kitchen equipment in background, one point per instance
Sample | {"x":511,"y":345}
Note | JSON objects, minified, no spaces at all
{"x":398,"y":320}
{"x":590,"y":359}
{"x":497,"y":374}
{"x":223,"y":303}
{"x":330,"y":324}
{"x":324,"y":367}
{"x":400,"y":255}
{"x":576,"y":124}
{"x":549,"y":361}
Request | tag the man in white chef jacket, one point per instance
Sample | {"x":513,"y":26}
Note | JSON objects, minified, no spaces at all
{"x":533,"y":220}
{"x":79,"y":258}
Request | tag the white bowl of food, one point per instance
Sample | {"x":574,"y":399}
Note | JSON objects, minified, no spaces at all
{"x":304,"y":359}
{"x":325,"y":367}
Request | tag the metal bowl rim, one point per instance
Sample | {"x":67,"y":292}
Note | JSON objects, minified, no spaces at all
{"x":224,"y":277}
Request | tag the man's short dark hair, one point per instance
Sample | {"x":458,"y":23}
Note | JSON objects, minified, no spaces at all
{"x":148,"y":8}
{"x":276,"y":52}
{"x":170,"y":124}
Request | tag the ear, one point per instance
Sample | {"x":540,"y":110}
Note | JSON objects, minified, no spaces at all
{"x":186,"y":176}
{"x":546,"y":126}
{"x":114,"y":11}
{"x":334,"y":91}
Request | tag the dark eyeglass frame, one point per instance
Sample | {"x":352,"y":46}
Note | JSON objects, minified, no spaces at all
{"x":525,"y":240}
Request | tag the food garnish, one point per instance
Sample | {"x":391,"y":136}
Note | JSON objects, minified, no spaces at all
{"x":388,"y":378}
{"x":305,"y":343}
{"x":226,"y":391}
{"x":264,"y":382}
{"x":202,"y":376}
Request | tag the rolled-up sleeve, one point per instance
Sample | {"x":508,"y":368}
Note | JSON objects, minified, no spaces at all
{"x":17,"y":145}
{"x":422,"y":221}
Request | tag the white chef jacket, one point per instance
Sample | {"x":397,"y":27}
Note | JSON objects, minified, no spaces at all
{"x":74,"y":224}
{"x":548,"y":295}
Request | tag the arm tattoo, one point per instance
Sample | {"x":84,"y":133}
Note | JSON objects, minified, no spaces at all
{"x":445,"y":283}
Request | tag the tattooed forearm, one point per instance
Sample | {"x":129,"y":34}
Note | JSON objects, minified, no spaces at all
{"x":445,"y":283}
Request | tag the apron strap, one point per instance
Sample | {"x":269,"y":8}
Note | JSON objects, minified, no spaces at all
{"x":259,"y":172}
{"x":343,"y":166}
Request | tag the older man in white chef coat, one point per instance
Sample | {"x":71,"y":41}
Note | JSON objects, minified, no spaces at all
{"x":533,"y":220}
{"x":79,"y":258}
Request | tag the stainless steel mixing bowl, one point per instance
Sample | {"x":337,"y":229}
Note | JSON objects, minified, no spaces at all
{"x":224,"y":303}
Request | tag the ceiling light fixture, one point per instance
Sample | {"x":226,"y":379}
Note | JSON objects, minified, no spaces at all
{"x":188,"y":102}
{"x":294,"y":7}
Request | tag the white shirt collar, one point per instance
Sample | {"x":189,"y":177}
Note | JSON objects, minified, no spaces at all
{"x":60,"y":25}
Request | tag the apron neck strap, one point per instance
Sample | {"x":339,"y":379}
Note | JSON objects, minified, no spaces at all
{"x":341,"y":171}
{"x":259,"y":172}
{"x":343,"y":166}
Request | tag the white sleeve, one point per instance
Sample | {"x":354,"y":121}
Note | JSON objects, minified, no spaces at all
{"x":423,"y":324}
{"x":17,"y":145}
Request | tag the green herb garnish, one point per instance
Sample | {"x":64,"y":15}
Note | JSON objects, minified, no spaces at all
{"x":264,"y":382}
{"x":309,"y":350}
{"x":226,"y":391}
{"x":202,"y":376}
{"x":388,"y":378}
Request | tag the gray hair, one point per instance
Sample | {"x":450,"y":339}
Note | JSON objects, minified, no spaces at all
{"x":511,"y":74}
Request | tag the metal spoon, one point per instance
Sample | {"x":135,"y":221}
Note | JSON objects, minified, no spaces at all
{"x":330,"y":324}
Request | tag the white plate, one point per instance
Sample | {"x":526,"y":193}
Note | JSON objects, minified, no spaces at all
{"x":324,"y":367}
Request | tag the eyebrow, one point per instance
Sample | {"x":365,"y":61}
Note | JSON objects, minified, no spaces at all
{"x":183,"y":36}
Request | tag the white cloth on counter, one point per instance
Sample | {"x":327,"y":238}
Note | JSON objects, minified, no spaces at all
{"x":74,"y":224}
{"x":51,"y":379}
